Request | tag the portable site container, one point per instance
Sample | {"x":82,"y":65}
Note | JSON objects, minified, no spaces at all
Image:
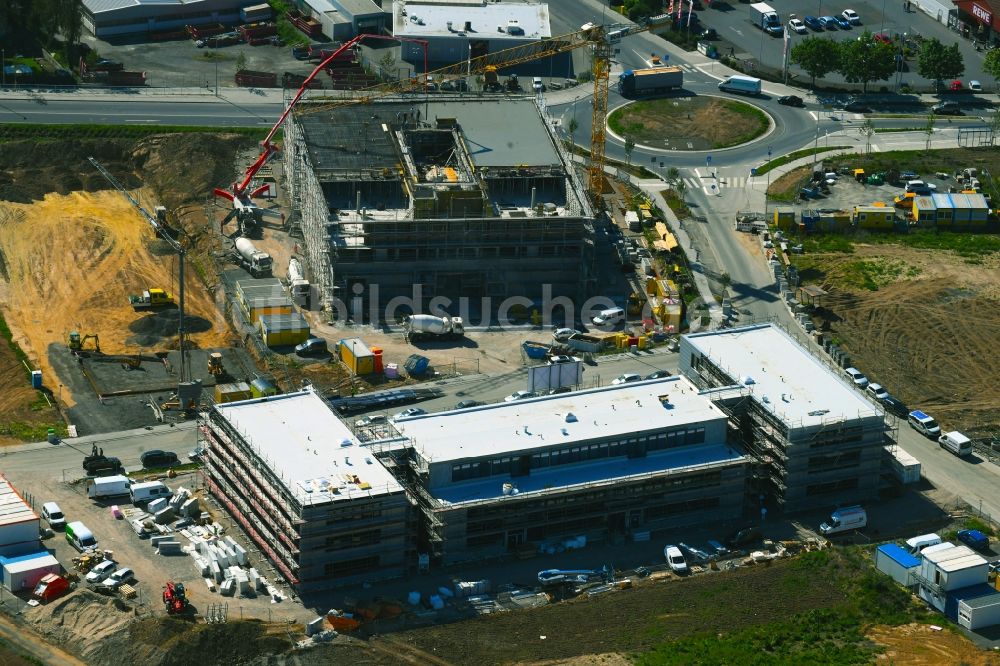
{"x":265,"y":296}
{"x":924,"y":211}
{"x":979,"y":612}
{"x":24,"y":572}
{"x":280,"y":330}
{"x":895,"y":562}
{"x":632,"y":220}
{"x":232,"y":392}
{"x":837,"y":221}
{"x":961,"y":210}
{"x":874,"y":217}
{"x":784,"y":218}
{"x":263,"y":387}
{"x":357,"y":356}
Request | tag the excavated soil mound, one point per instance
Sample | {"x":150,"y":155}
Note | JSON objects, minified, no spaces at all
{"x":80,"y":621}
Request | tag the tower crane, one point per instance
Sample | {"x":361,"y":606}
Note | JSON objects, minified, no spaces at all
{"x":590,"y":34}
{"x":174,"y":245}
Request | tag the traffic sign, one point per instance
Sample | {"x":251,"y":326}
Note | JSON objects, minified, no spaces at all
{"x":753,"y":172}
{"x":708,"y":159}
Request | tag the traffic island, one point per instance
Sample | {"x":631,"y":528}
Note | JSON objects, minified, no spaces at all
{"x":689,"y":123}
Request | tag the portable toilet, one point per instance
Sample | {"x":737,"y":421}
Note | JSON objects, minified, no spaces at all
{"x":377,"y":353}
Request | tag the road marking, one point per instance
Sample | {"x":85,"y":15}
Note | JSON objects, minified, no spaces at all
{"x":736,"y":30}
{"x":815,"y":117}
{"x":141,"y":120}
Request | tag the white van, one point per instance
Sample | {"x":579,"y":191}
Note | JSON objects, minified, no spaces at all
{"x":916,"y":545}
{"x":845,"y":520}
{"x":747,"y":85}
{"x":610,"y":316}
{"x":53,"y":515}
{"x":956,"y":442}
{"x":80,"y":537}
{"x":142,"y":493}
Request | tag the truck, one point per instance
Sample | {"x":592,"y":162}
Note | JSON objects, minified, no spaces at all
{"x":649,"y":81}
{"x":150,"y":299}
{"x":844,"y":520}
{"x":298,"y":285}
{"x":428,"y":326}
{"x":766,"y":19}
{"x":257,"y":263}
{"x":109,"y":486}
{"x":746,"y":85}
{"x":904,"y":467}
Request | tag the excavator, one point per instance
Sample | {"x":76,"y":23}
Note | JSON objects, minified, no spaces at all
{"x":76,"y":342}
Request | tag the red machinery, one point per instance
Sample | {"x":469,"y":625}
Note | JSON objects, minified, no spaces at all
{"x":174,"y":598}
{"x":246,"y":211}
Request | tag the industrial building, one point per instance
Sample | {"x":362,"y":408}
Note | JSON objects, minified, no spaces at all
{"x":814,"y":440}
{"x":345,"y":19}
{"x":594,"y":465}
{"x":108,"y":18}
{"x":324,"y":510}
{"x":454,"y":196}
{"x":455,"y":30}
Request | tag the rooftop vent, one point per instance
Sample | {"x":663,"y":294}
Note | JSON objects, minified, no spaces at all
{"x":571,"y":418}
{"x":747,"y":381}
{"x":468,"y":26}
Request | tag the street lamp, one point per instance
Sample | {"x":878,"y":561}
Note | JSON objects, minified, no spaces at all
{"x":3,"y":68}
{"x":768,"y":186}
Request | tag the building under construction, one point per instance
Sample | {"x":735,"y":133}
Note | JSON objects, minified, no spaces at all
{"x":815,"y":441}
{"x":455,"y":196}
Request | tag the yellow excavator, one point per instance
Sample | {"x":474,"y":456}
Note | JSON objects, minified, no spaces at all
{"x":77,"y":342}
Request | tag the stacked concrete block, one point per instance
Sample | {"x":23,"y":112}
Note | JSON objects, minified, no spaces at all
{"x":190,"y":508}
{"x":316,"y":626}
{"x":164,"y":516}
{"x":157,"y":505}
{"x":216,"y":571}
{"x":228,"y":587}
{"x":170,"y":547}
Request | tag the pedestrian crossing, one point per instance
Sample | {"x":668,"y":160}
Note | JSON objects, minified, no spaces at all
{"x":707,"y":182}
{"x":687,"y":67}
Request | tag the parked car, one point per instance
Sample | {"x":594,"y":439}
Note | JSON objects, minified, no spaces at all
{"x":857,"y":377}
{"x":119,"y":578}
{"x":157,"y":458}
{"x":561,"y":358}
{"x":877,"y":391}
{"x":311,"y":347}
{"x":791,"y":100}
{"x":975,"y":86}
{"x":851,"y":16}
{"x":743,"y":537}
{"x":857,"y":107}
{"x":883,"y":37}
{"x":947,"y":109}
{"x":908,"y":175}
{"x":409,"y":411}
{"x":519,"y":395}
{"x":100,"y":572}
{"x":675,"y":558}
{"x":537,"y":85}
{"x":659,"y":374}
{"x":626,"y":378}
{"x":974,"y":539}
{"x":465,"y":404}
{"x":828,"y":22}
{"x":561,"y":389}
{"x":563,"y":334}
{"x":813,"y":23}
{"x":370,"y":420}
{"x":895,"y":406}
{"x":197,"y":452}
{"x":53,"y":515}
{"x":796,"y":25}
{"x":923,"y":424}
{"x":842,"y":22}
{"x":709,"y":34}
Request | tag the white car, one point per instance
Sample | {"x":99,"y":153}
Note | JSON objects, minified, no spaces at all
{"x":411,"y":411}
{"x":877,"y":391}
{"x":370,"y":420}
{"x":519,"y":395}
{"x":627,"y":378}
{"x":561,"y":358}
{"x":675,"y":558}
{"x":119,"y":578}
{"x":537,"y":85}
{"x":796,"y":25}
{"x":851,"y":16}
{"x":100,"y":572}
{"x":563,"y":334}
{"x":975,"y":86}
{"x":857,"y":377}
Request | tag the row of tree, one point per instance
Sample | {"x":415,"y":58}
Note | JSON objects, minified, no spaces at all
{"x":27,"y":24}
{"x":868,"y":59}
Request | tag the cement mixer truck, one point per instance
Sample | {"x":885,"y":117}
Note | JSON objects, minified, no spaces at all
{"x":421,"y":326}
{"x":298,"y":285}
{"x":257,"y":263}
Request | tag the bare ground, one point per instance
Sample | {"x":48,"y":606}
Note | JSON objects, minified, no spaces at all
{"x":919,"y":645}
{"x":705,"y":121}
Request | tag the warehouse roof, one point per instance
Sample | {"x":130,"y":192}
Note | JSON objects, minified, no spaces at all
{"x":956,"y":558}
{"x":557,"y":420}
{"x":780,"y":374}
{"x":613,"y":470}
{"x":104,"y":6}
{"x":13,"y":508}
{"x":313,"y":452}
{"x":338,"y":8}
{"x":493,"y":20}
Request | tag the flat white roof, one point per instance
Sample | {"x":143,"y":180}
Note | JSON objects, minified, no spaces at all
{"x":782,"y":375}
{"x":558,"y":420}
{"x":568,"y":476}
{"x":309,"y":448}
{"x":955,"y":558}
{"x":13,"y":508}
{"x":431,"y":20}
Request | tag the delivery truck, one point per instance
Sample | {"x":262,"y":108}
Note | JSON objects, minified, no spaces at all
{"x":766,"y":19}
{"x":745,"y":85}
{"x":109,"y":486}
{"x":649,"y":81}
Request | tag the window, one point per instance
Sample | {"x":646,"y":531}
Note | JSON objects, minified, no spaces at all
{"x":351,"y":567}
{"x":355,"y":540}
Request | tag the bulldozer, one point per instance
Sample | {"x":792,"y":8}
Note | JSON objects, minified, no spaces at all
{"x":215,"y":367}
{"x":77,"y":342}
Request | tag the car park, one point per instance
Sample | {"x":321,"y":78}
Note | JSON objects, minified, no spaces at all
{"x":851,"y":16}
{"x":609,"y":316}
{"x":626,"y":378}
{"x":466,"y":404}
{"x":923,"y":423}
{"x":157,"y":458}
{"x":796,"y":25}
{"x":100,"y":572}
{"x":857,"y":377}
{"x":895,"y":406}
{"x":311,"y":347}
{"x":813,"y":23}
{"x":908,"y":175}
{"x":370,"y":420}
{"x":555,"y":85}
{"x":877,"y":391}
{"x":119,"y":578}
{"x":659,"y":374}
{"x":790,"y":100}
{"x":408,"y":412}
{"x":53,"y":515}
{"x":974,"y":539}
{"x":828,"y":22}
{"x":675,"y":558}
{"x":519,"y":395}
{"x":956,"y":443}
{"x":537,"y":85}
{"x":920,"y":187}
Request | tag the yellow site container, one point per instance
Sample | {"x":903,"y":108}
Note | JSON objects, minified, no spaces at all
{"x":357,"y":356}
{"x":263,"y":387}
{"x":874,"y":217}
{"x":232,"y":392}
{"x":282,"y":330}
{"x":784,"y":218}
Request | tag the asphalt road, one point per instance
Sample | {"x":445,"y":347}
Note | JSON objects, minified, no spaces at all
{"x":139,"y":109}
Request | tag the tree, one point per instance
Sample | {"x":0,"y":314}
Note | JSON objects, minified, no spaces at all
{"x":629,"y":147}
{"x":673,"y":175}
{"x":387,"y":66}
{"x":991,"y":64}
{"x":866,"y":59}
{"x":867,"y":130}
{"x":939,"y":62}
{"x":929,"y":130}
{"x":818,"y":56}
{"x":241,"y":62}
{"x":573,"y":126}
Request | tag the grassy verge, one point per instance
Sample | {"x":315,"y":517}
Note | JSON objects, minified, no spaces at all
{"x":637,"y":171}
{"x":287,"y":32}
{"x":59,"y":132}
{"x":14,"y":347}
{"x":791,"y":157}
{"x":676,"y":203}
